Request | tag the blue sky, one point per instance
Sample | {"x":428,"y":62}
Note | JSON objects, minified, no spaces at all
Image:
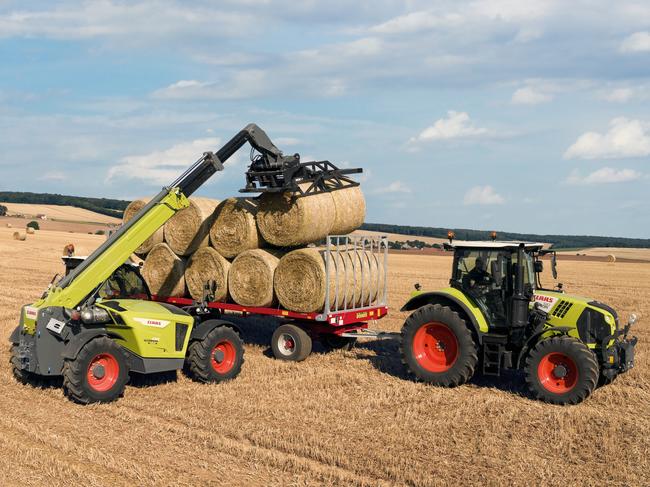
{"x":497,"y":114}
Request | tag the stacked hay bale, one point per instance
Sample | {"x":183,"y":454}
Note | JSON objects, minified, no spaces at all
{"x":252,"y":248}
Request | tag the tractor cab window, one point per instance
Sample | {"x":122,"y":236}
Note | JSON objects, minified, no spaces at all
{"x":529,"y":271}
{"x":124,"y":283}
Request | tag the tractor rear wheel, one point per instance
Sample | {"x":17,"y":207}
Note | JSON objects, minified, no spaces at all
{"x":290,"y":342}
{"x":99,"y":373}
{"x":438,"y":347}
{"x":561,"y":370}
{"x":216,"y":358}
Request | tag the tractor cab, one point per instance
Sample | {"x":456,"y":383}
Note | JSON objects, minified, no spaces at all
{"x":495,"y":315}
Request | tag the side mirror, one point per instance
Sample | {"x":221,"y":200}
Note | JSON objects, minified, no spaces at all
{"x":554,"y":265}
{"x":539,"y":266}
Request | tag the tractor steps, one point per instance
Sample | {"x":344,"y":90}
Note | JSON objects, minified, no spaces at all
{"x":495,"y":355}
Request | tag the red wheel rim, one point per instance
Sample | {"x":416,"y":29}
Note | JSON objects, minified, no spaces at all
{"x":223,"y":357}
{"x":103,"y":372}
{"x":435,"y":347}
{"x":557,"y":372}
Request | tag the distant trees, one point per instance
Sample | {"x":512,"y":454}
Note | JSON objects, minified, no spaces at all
{"x":34,"y":224}
{"x":105,"y":206}
{"x":3,"y":210}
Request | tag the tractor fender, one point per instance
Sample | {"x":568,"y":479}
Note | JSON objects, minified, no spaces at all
{"x":76,"y":343}
{"x":533,"y":339}
{"x":442,"y":298}
{"x":14,"y":338}
{"x":202,"y":330}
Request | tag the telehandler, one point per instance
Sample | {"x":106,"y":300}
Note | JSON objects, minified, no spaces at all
{"x":97,"y":324}
{"x":495,"y":316}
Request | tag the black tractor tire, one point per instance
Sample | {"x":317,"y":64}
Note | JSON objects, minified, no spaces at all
{"x":217,"y":358}
{"x":604,"y":380}
{"x":99,"y":373}
{"x":290,"y":342}
{"x":561,"y":370}
{"x":336,"y":342}
{"x":438,"y":347}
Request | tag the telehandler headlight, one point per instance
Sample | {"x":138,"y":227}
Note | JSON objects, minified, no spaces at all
{"x":95,"y":316}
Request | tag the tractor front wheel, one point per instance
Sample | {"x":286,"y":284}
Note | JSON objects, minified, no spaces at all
{"x":99,"y":373}
{"x":561,"y":370}
{"x":216,"y":358}
{"x":437,"y":346}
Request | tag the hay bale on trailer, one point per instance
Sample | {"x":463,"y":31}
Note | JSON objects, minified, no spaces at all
{"x":290,"y":220}
{"x":301,"y":281}
{"x":189,"y":229}
{"x":206,"y":264}
{"x":349,"y":210}
{"x":363,"y":274}
{"x":30,"y":231}
{"x":20,"y":236}
{"x":251,"y":277}
{"x":164,"y":272}
{"x":130,"y":211}
{"x":234,"y":229}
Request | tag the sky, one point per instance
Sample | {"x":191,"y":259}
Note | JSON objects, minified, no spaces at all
{"x":496,"y":114}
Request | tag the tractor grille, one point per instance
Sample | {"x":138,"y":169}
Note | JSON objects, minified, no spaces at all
{"x":562,"y":309}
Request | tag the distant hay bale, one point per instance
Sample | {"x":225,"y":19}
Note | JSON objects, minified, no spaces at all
{"x":611,"y":258}
{"x":250,"y":281}
{"x":233,"y":228}
{"x":134,"y":207}
{"x":300,"y":280}
{"x":8,"y":225}
{"x":20,"y":236}
{"x":164,"y":272}
{"x":30,"y":230}
{"x":350,"y":210}
{"x":189,"y":229}
{"x":288,"y":220}
{"x":206,"y":264}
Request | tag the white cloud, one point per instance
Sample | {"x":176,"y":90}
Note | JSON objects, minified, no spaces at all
{"x":619,"y":95}
{"x":415,"y":22}
{"x":530,"y":96}
{"x":162,"y":167}
{"x":606,"y":175}
{"x":483,"y":195}
{"x":53,"y":176}
{"x":397,"y":187}
{"x":625,"y":138}
{"x":456,"y":125}
{"x":637,"y":42}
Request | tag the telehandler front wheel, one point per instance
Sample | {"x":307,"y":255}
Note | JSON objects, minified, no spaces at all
{"x":437,"y":346}
{"x":216,"y":358}
{"x":99,"y":373}
{"x":561,"y":370}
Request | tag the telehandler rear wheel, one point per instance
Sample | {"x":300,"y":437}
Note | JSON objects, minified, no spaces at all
{"x":437,"y":346}
{"x":216,"y":358}
{"x":99,"y":373}
{"x":561,"y":370}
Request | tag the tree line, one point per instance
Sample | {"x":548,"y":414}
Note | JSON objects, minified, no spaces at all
{"x":105,"y":206}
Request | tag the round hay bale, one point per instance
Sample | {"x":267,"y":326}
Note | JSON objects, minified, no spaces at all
{"x":131,"y":210}
{"x":8,"y":225}
{"x":164,"y":271}
{"x":189,"y":229}
{"x":365,"y":283}
{"x":234,"y":229}
{"x":206,"y":264}
{"x":30,"y":230}
{"x":350,"y":210}
{"x":300,"y":280}
{"x":251,"y":277}
{"x":20,"y":236}
{"x":289,"y":220}
{"x":611,"y":258}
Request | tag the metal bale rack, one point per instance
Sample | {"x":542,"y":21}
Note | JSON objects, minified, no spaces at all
{"x":338,"y":325}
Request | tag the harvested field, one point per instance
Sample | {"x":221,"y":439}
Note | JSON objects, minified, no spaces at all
{"x":341,"y":418}
{"x":59,"y":212}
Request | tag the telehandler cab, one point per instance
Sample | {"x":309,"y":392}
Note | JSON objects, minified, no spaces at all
{"x":496,"y":315}
{"x":97,"y":324}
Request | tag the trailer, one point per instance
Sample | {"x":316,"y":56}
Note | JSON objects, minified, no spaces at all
{"x":361,"y":279}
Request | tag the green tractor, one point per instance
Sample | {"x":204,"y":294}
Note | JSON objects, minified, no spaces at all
{"x":497,"y":316}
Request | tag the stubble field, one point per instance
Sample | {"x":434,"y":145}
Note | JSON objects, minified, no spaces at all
{"x":341,"y":418}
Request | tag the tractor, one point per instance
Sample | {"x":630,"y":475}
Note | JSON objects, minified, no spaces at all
{"x":496,"y":316}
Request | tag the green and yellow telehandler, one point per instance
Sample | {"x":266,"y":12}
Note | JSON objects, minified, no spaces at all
{"x":495,"y":315}
{"x":98,"y":323}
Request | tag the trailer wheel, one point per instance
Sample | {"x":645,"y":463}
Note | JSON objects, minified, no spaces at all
{"x":437,"y":346}
{"x":217,"y":358}
{"x":290,"y":342}
{"x":337,"y":342}
{"x":561,"y":370}
{"x":99,"y":373}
